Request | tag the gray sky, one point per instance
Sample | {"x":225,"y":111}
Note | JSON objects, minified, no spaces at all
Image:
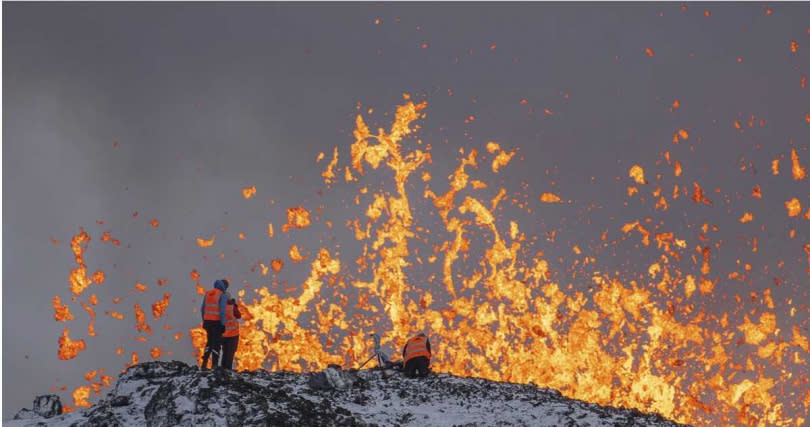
{"x":203,"y":99}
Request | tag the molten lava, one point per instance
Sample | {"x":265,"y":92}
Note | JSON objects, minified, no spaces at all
{"x":495,"y":305}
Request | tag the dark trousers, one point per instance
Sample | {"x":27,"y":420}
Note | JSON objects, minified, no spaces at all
{"x":417,"y":367}
{"x":213,"y":342}
{"x":229,"y":346}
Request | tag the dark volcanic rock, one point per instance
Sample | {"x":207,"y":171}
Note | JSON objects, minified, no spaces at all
{"x":46,"y":406}
{"x":175,"y":394}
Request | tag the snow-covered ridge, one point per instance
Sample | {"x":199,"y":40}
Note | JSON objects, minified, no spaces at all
{"x":175,"y":394}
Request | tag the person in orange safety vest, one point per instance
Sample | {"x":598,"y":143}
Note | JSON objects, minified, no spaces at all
{"x":416,"y":356}
{"x":230,"y":338}
{"x":213,"y":313}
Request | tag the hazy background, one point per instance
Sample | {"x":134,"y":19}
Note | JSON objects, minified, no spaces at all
{"x":169,"y":110}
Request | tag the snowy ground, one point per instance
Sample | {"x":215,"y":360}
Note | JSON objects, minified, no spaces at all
{"x":174,"y":394}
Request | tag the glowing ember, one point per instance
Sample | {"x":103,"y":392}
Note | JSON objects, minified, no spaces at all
{"x":78,"y":276}
{"x":295,"y":254}
{"x":155,"y":222}
{"x":61,"y":313}
{"x":159,"y":307}
{"x":799,"y":173}
{"x":249,"y":192}
{"x":649,"y":51}
{"x":637,"y":173}
{"x":277,"y":265}
{"x":81,"y":396}
{"x":793,"y":206}
{"x":206,"y":243}
{"x":140,"y":320}
{"x":68,"y":349}
{"x":550,"y":198}
{"x":501,"y":160}
{"x":329,"y":174}
{"x":297,"y":217}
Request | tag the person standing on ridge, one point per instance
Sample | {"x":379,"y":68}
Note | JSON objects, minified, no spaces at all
{"x":416,"y":356}
{"x":230,"y":338}
{"x":213,"y":313}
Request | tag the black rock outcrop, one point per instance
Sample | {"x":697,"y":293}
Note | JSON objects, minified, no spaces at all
{"x":174,"y":394}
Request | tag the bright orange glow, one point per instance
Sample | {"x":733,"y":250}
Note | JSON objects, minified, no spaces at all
{"x":295,"y":254}
{"x":550,"y":198}
{"x":249,"y":192}
{"x":81,"y":396}
{"x":637,"y":173}
{"x":140,"y":320}
{"x":793,"y":206}
{"x":329,"y":173}
{"x":155,"y":223}
{"x":649,"y":51}
{"x":159,"y":307}
{"x":78,"y":276}
{"x":794,"y":46}
{"x":203,"y":243}
{"x":297,"y":217}
{"x":499,"y":307}
{"x":61,"y":313}
{"x":68,"y":349}
{"x":799,"y":173}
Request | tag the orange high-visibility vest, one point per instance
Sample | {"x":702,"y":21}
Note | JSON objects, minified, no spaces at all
{"x":211,"y":311}
{"x":416,"y":346}
{"x":231,"y":324}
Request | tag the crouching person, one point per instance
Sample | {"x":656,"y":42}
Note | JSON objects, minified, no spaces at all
{"x":416,"y":356}
{"x":230,"y":338}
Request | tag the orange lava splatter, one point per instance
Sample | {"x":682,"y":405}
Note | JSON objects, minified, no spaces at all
{"x":794,"y":207}
{"x":297,"y":217}
{"x":295,"y":254}
{"x":140,"y":320}
{"x":637,"y":173}
{"x":61,"y":313}
{"x":78,"y":276}
{"x":277,"y":265}
{"x":159,"y":307}
{"x":249,"y":192}
{"x":799,"y":172}
{"x":550,"y":198}
{"x":68,"y":349}
{"x":203,"y":243}
{"x":81,"y":396}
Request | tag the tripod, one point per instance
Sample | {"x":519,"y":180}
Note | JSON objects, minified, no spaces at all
{"x":382,"y":360}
